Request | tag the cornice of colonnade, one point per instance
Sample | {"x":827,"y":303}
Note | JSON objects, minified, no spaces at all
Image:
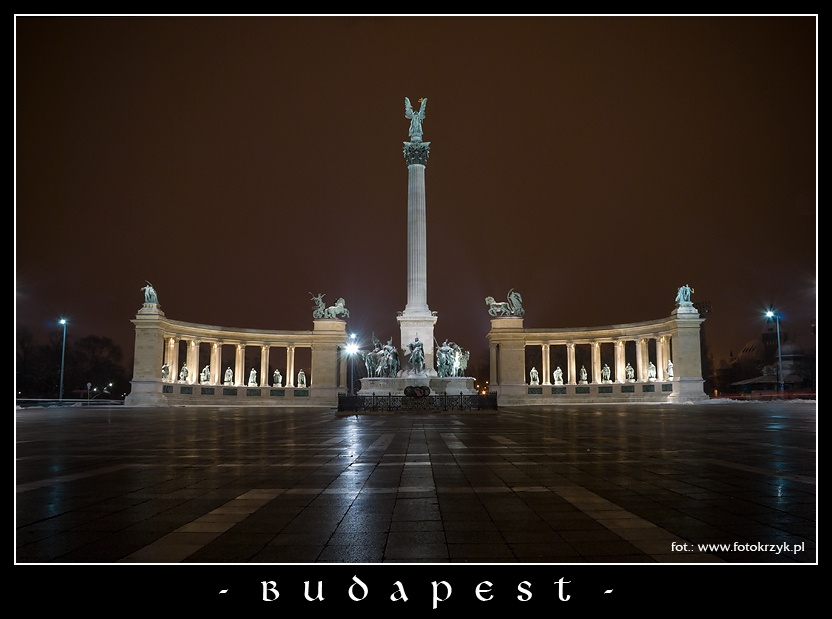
{"x":326,"y":332}
{"x":575,"y":335}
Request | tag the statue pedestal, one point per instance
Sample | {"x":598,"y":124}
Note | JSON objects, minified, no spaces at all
{"x":450,"y":385}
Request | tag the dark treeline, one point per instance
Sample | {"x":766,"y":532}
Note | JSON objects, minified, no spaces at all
{"x":92,"y":359}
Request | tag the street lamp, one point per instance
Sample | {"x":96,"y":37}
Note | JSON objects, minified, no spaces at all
{"x":63,"y":351}
{"x":771,"y":314}
{"x":352,"y":348}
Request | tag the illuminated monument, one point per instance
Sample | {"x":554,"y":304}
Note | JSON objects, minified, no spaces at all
{"x":417,"y":321}
{"x":418,"y":362}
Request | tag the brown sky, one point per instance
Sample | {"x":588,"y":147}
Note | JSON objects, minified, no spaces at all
{"x":594,"y":164}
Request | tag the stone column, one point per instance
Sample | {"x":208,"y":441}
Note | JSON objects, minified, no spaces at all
{"x":493,"y":361}
{"x":264,"y":366}
{"x":660,"y":362}
{"x":239,"y":369}
{"x":570,"y":362}
{"x":172,"y":358}
{"x":193,"y":362}
{"x":641,"y":366}
{"x":216,"y":363}
{"x":596,"y":362}
{"x":547,"y":379}
{"x":417,"y":320}
{"x":620,"y":363}
{"x":688,"y":384}
{"x":147,"y":355}
{"x":290,"y":366}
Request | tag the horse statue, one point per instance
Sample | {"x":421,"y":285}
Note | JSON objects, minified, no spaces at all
{"x":333,"y":311}
{"x":513,"y":307}
{"x":339,"y":309}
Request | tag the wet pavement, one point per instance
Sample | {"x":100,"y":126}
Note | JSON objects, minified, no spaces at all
{"x":719,"y":482}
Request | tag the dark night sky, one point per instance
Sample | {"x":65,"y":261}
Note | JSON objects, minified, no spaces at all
{"x":594,"y":164}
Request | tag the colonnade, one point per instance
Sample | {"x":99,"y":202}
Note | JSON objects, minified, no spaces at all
{"x":618,"y":371}
{"x":158,"y":362}
{"x":240,"y":376}
{"x":673,"y":341}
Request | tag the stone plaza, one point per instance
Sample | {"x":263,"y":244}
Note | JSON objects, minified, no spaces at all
{"x":718,"y":482}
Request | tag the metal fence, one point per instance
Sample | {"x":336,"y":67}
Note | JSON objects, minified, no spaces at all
{"x":429,"y":403}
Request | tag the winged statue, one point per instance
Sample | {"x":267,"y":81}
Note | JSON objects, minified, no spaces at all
{"x":416,"y":118}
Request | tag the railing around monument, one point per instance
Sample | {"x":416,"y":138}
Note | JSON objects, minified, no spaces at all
{"x":403,"y":403}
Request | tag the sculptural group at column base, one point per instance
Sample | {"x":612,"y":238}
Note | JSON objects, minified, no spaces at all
{"x":451,"y":385}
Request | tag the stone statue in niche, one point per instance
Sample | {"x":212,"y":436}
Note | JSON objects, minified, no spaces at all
{"x":630,"y":373}
{"x":166,"y":371}
{"x":205,"y":375}
{"x":301,"y":379}
{"x":651,"y":371}
{"x":183,"y":373}
{"x":558,"y":376}
{"x":583,"y":375}
{"x":669,"y":368}
{"x":534,"y":376}
{"x":252,"y":378}
{"x":606,"y":373}
{"x":277,"y":378}
{"x":229,"y":377}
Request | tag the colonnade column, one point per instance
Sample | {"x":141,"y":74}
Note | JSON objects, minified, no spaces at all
{"x":596,"y":362}
{"x":216,"y":363}
{"x":172,"y":358}
{"x":193,"y":361}
{"x":570,"y":362}
{"x":641,"y":366}
{"x":546,"y":373}
{"x":264,"y":366}
{"x":660,"y":363}
{"x":239,"y":359}
{"x":620,"y":374}
{"x":290,"y":366}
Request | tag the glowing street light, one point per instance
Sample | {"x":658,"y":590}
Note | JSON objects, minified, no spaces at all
{"x":776,"y":316}
{"x":63,"y":351}
{"x":352,"y":349}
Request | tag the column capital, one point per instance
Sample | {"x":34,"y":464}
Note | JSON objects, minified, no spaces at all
{"x":416,"y":152}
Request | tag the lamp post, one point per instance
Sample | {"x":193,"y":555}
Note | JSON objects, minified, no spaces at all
{"x":63,"y":352}
{"x":776,"y":316}
{"x":352,"y":348}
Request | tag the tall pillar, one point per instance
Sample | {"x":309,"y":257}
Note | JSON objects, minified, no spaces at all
{"x":290,"y":366}
{"x":417,"y":320}
{"x":239,"y":360}
{"x":596,"y":362}
{"x":146,"y":385}
{"x":688,"y":384}
{"x":546,"y":374}
{"x":264,"y":366}
{"x":641,"y":366}
{"x":216,"y":363}
{"x":570,"y":361}
{"x":620,"y":373}
{"x":660,"y":363}
{"x":193,"y":361}
{"x":172,"y":358}
{"x":493,"y":379}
